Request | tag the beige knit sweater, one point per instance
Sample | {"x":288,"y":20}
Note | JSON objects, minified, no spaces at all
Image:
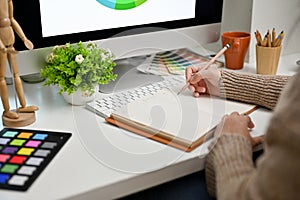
{"x":230,"y":171}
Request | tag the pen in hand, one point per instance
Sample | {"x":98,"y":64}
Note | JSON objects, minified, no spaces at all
{"x":206,"y":66}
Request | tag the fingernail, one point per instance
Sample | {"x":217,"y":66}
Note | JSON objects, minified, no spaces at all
{"x":202,"y":90}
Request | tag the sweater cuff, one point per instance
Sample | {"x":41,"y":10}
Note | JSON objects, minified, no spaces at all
{"x":229,"y":157}
{"x":228,"y":147}
{"x":252,"y":88}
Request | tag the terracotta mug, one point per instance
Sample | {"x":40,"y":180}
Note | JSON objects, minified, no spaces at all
{"x":239,"y":44}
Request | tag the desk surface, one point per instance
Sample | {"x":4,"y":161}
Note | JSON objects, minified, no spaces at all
{"x":103,"y":162}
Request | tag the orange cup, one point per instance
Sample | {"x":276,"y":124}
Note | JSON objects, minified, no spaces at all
{"x":239,"y":44}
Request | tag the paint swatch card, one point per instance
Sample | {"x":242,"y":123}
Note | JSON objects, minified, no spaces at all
{"x":24,"y":154}
{"x":178,"y":60}
{"x":175,"y":62}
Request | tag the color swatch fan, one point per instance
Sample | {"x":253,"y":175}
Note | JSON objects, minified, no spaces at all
{"x":24,"y":154}
{"x":174,"y":62}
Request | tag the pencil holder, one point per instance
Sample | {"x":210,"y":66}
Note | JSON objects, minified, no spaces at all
{"x":267,"y":59}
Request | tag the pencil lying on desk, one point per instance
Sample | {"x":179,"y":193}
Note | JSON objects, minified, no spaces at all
{"x":207,"y":65}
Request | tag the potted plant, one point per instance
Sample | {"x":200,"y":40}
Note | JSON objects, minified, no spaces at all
{"x":78,"y":68}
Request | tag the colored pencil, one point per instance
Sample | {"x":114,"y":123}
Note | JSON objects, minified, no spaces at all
{"x":279,"y":39}
{"x":206,"y":66}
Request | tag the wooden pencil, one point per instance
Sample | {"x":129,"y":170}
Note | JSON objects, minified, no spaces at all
{"x":268,"y":39}
{"x":258,"y":38}
{"x":279,"y":39}
{"x":273,"y":36}
{"x":264,"y":42}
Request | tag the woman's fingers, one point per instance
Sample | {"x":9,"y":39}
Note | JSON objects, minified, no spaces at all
{"x":257,"y":140}
{"x":189,"y":72}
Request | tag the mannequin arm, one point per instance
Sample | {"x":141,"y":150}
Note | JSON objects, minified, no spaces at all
{"x":17,"y":28}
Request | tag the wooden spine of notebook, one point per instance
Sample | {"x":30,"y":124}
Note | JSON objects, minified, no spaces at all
{"x":160,"y":136}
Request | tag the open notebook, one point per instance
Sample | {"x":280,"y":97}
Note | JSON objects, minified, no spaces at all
{"x":181,"y":121}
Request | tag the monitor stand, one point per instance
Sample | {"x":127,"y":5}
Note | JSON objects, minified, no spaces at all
{"x":128,"y":76}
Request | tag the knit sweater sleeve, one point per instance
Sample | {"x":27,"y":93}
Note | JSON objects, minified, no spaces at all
{"x":230,"y":171}
{"x":252,"y":88}
{"x":238,"y":150}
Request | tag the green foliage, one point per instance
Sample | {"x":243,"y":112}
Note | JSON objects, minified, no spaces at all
{"x":77,"y":66}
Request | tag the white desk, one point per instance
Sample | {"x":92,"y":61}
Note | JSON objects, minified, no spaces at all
{"x":101,"y":161}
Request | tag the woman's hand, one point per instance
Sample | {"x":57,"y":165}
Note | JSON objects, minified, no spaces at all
{"x":236,"y":124}
{"x":203,"y":81}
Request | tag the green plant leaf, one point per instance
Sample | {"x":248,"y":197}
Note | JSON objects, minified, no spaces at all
{"x":63,"y":70}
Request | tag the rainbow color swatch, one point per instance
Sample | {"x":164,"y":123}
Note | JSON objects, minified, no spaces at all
{"x":121,"y":4}
{"x":176,"y":61}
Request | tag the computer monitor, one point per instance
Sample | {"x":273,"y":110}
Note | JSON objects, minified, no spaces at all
{"x":136,"y":29}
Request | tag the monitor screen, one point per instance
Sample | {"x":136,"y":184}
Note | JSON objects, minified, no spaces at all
{"x":102,"y":16}
{"x":50,"y":23}
{"x":127,"y":29}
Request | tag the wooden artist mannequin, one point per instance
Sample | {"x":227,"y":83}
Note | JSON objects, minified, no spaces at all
{"x":23,"y":115}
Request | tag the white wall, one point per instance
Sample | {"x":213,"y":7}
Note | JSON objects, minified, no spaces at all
{"x":252,"y":15}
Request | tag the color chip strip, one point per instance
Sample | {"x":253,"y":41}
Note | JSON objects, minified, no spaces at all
{"x":10,"y":150}
{"x":42,"y":153}
{"x":27,"y":170}
{"x":4,"y":141}
{"x":25,"y":151}
{"x":9,"y":168}
{"x":40,"y":136}
{"x":3,"y":178}
{"x":32,"y":143}
{"x":18,"y":159}
{"x":17,"y":142}
{"x":18,"y":180}
{"x":4,"y":157}
{"x":34,"y":161}
{"x":24,"y":135}
{"x":10,"y":134}
{"x":49,"y":145}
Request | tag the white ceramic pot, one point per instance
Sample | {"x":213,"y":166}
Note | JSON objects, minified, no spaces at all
{"x":79,"y":97}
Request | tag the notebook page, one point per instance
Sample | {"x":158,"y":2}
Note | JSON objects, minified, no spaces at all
{"x":181,"y":115}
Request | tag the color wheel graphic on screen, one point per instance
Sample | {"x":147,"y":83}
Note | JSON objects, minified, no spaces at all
{"x":121,"y":4}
